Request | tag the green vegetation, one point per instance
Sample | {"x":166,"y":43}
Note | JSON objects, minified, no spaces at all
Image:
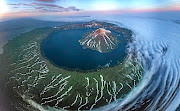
{"x":30,"y":74}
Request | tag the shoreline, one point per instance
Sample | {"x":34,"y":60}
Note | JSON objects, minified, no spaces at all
{"x":92,"y":25}
{"x":76,"y":82}
{"x":74,"y":69}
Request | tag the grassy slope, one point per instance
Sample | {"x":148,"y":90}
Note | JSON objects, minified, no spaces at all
{"x":77,"y":79}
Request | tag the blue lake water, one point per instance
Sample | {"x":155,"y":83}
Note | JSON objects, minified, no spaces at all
{"x":63,"y":50}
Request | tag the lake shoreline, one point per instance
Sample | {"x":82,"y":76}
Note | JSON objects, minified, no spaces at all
{"x":88,"y":25}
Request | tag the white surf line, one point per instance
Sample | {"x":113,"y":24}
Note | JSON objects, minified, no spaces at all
{"x":128,"y":85}
{"x":24,"y":62}
{"x":81,"y":99}
{"x":97,"y":90}
{"x":121,"y":87}
{"x":65,"y":107}
{"x":101,"y":92}
{"x":62,"y":79}
{"x":36,"y":82}
{"x":31,"y":46}
{"x":109,"y":93}
{"x":136,"y":70}
{"x":20,"y":49}
{"x":40,"y":76}
{"x":87,"y":78}
{"x":53,"y":86}
{"x":61,"y":88}
{"x":134,"y":83}
{"x":86,"y":95}
{"x":75,"y":100}
{"x":128,"y":76}
{"x":26,"y":56}
{"x":31,"y":85}
{"x":84,"y":103}
{"x":49,"y":85}
{"x":114,"y":90}
{"x":59,"y":99}
{"x":33,"y":65}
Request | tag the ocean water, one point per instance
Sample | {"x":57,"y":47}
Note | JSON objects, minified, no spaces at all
{"x":64,"y":50}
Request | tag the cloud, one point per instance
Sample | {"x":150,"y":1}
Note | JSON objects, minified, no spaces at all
{"x":72,"y":8}
{"x":47,"y":0}
{"x":20,"y":4}
{"x":47,"y":5}
{"x":39,"y":7}
{"x":11,"y":4}
{"x":42,"y":7}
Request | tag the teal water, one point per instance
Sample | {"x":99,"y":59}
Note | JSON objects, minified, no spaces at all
{"x":63,"y":50}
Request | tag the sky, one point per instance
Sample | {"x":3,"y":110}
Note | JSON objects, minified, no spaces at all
{"x":43,"y":7}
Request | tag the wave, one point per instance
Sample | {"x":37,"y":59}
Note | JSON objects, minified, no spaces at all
{"x":156,"y":44}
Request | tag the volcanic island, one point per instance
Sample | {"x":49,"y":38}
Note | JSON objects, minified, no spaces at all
{"x":101,"y":40}
{"x":32,"y":78}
